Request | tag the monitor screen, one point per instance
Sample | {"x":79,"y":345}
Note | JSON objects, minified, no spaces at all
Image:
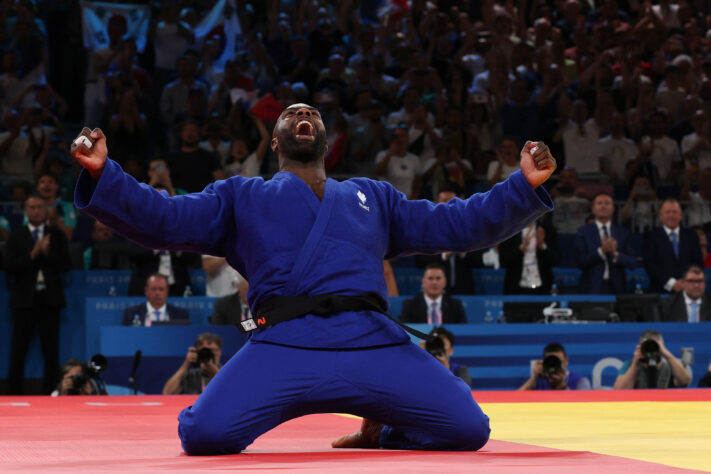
{"x":638,"y":308}
{"x":592,"y":310}
{"x":524,"y":312}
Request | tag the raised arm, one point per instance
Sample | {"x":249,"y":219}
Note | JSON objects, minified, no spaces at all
{"x":195,"y":223}
{"x":482,"y":220}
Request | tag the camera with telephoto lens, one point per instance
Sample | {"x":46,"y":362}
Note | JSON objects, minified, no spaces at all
{"x":205,"y":355}
{"x":90,"y":372}
{"x":651,"y":354}
{"x":551,"y":366}
{"x":435,"y":346}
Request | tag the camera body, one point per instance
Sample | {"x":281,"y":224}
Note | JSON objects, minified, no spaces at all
{"x":552,"y":365}
{"x":651,"y":354}
{"x":435,"y":346}
{"x":205,"y":355}
{"x":90,"y":372}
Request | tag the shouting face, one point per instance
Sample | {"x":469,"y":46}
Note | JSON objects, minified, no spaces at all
{"x":299,"y":134}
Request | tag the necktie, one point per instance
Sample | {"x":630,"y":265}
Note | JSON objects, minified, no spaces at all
{"x":434,"y":314}
{"x":40,"y":283}
{"x":694,"y":313}
{"x":157,"y":312}
{"x":675,"y":243}
{"x":608,"y":257}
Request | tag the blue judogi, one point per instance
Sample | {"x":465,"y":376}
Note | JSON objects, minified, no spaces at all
{"x":286,"y":243}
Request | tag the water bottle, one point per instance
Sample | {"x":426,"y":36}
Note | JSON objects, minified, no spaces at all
{"x":502,"y":318}
{"x":188,"y":292}
{"x":488,"y":318}
{"x":112,"y":291}
{"x":136,"y":320}
{"x":554,"y":289}
{"x":638,"y":289}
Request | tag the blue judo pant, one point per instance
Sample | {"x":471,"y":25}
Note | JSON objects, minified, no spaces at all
{"x":421,"y":403}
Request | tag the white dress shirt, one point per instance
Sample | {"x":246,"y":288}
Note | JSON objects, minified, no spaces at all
{"x":438,"y":302}
{"x":40,"y":284}
{"x":600,"y":225}
{"x":151,"y":314}
{"x":688,"y":302}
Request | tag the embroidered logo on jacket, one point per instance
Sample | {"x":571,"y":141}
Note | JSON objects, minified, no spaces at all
{"x":362,"y":198}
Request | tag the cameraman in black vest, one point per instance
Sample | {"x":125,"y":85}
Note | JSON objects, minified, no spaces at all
{"x":652,"y":366}
{"x":201,"y":364}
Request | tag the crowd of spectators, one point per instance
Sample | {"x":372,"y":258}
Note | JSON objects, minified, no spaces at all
{"x":436,"y":97}
{"x":429,"y":95}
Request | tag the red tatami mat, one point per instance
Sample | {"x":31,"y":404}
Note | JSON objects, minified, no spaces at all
{"x":139,"y":434}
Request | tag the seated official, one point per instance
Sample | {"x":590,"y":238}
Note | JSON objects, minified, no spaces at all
{"x":441,"y":346}
{"x":201,"y":364}
{"x":692,"y":304}
{"x":155,"y":309}
{"x":432,"y":305}
{"x":551,"y":373}
{"x":652,"y":366}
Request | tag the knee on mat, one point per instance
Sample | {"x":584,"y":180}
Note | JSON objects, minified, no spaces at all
{"x":470,"y":434}
{"x":201,"y":439}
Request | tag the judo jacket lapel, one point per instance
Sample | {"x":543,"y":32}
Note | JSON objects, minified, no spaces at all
{"x":307,"y":252}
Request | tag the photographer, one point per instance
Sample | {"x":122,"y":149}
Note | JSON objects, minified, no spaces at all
{"x":551,"y":373}
{"x":201,"y":364}
{"x":79,"y":378}
{"x":652,"y":366}
{"x":441,"y":347}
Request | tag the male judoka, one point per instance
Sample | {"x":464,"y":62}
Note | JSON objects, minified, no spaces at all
{"x":301,"y":234}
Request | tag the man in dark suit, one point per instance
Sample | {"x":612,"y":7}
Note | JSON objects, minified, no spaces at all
{"x":601,"y":251}
{"x":155,"y":308}
{"x":36,"y":255}
{"x":432,"y":306}
{"x":692,"y":304}
{"x":669,"y":249}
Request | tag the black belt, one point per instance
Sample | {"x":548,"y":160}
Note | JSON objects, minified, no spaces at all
{"x":283,"y":308}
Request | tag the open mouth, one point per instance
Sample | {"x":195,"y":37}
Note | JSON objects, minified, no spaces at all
{"x":305,"y":131}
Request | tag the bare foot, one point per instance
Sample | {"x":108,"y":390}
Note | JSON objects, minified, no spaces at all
{"x":367,"y":437}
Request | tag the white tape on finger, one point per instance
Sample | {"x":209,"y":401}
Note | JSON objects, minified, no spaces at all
{"x":82,"y":140}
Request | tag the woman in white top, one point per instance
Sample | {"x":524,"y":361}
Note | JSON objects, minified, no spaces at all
{"x":398,"y":167}
{"x":245,"y":163}
{"x":507,"y":161}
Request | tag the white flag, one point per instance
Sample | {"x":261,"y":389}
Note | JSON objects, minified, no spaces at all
{"x":95,"y":19}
